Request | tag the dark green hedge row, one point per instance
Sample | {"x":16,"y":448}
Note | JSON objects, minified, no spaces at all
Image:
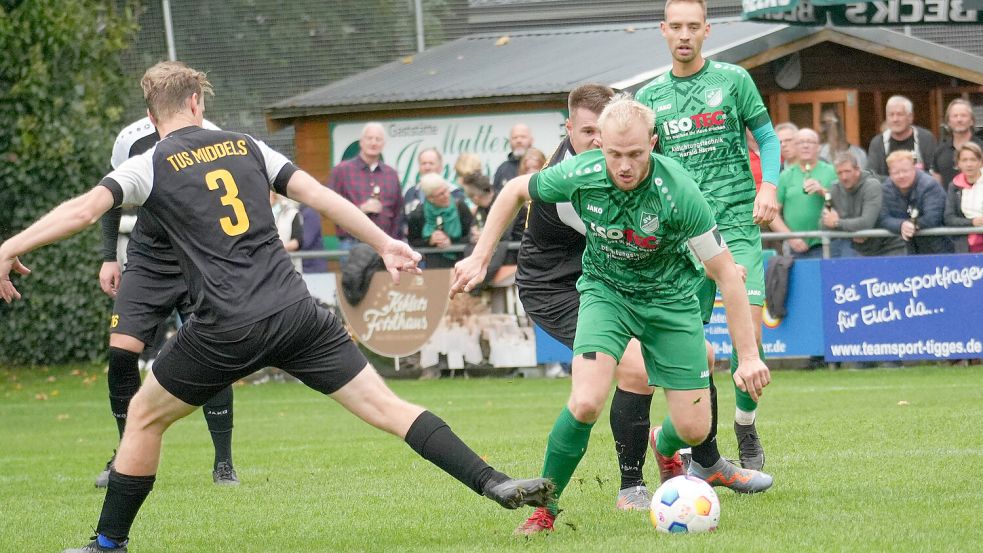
{"x":60,"y":82}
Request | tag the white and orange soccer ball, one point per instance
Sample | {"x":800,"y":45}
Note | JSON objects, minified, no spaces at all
{"x":685,"y":505}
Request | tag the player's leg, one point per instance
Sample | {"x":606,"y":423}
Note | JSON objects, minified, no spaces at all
{"x":318,"y":350}
{"x":630,"y":408}
{"x":745,"y":246}
{"x":124,"y":381}
{"x":706,"y":462}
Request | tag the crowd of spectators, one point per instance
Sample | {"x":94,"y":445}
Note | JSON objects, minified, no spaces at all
{"x":904,"y":182}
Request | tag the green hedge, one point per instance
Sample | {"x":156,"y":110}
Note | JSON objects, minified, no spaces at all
{"x":60,"y":83}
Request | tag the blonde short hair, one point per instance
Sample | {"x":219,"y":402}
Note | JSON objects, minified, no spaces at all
{"x":623,"y":110}
{"x":467,"y":164}
{"x":168,"y":84}
{"x":900,"y":155}
{"x":430,"y":183}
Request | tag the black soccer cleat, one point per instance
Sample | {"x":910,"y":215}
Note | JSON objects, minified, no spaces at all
{"x":94,"y":547}
{"x":512,"y":493}
{"x":225,"y":475}
{"x":749,"y":448}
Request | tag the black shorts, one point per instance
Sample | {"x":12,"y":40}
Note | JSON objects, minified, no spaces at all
{"x":145,"y":298}
{"x":554,"y":310}
{"x":303,"y":339}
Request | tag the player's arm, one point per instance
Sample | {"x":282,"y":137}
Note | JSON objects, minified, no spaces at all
{"x":752,"y":374}
{"x":398,"y":256}
{"x":470,"y":271}
{"x":63,"y":221}
{"x":766,"y":203}
{"x":110,"y":273}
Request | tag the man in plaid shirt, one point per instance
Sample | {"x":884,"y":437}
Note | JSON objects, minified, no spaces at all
{"x":371,"y":185}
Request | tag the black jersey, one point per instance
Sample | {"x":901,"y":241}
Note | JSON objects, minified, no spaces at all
{"x":209,"y":190}
{"x":551,"y":252}
{"x":147,"y":239}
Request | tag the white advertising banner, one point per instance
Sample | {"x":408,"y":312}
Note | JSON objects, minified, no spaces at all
{"x":486,"y":136}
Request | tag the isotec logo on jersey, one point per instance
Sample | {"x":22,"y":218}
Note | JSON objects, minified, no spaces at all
{"x":698,"y":121}
{"x":628,"y":235}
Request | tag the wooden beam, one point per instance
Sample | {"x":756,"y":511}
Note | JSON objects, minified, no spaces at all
{"x":773,"y":54}
{"x":902,"y":56}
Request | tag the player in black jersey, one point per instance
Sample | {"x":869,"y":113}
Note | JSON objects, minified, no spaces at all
{"x":152,"y":290}
{"x":210,"y":192}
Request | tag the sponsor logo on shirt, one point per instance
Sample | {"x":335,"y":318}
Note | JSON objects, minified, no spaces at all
{"x":625,"y":235}
{"x":595,"y":209}
{"x":709,"y":120}
{"x":663,"y":107}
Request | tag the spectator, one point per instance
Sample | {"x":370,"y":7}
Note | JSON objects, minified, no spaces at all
{"x":312,"y":241}
{"x":786,"y":137}
{"x":801,"y":193}
{"x":964,"y":199}
{"x":467,"y":164}
{"x":520,"y":140}
{"x":961,"y":122}
{"x":289,"y":224}
{"x":834,"y":139}
{"x":913,"y":201}
{"x":428,"y":161}
{"x":532,"y":162}
{"x":900,"y":134}
{"x":856,"y":204}
{"x":371,"y":185}
{"x":439,"y":222}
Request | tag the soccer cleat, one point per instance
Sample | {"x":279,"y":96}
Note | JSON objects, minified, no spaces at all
{"x":102,"y":480}
{"x":637,"y":498}
{"x":751,"y":453}
{"x":512,"y":493}
{"x":686,"y":456}
{"x":225,"y":475}
{"x":669,"y":467}
{"x":94,"y":547}
{"x":540,"y":521}
{"x":727,"y":474}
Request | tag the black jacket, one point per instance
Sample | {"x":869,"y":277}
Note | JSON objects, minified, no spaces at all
{"x":414,"y":235}
{"x":929,"y":198}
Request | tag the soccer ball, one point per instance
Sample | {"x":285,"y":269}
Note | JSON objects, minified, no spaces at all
{"x":685,"y":504}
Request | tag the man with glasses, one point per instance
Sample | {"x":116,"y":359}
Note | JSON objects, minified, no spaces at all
{"x":801,"y":195}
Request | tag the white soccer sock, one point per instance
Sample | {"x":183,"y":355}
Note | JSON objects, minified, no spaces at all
{"x":744,"y":418}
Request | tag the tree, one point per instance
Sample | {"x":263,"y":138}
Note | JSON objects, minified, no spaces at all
{"x":60,"y":80}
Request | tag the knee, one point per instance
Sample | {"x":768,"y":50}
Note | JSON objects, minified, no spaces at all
{"x":693,"y":432}
{"x":585,"y":408}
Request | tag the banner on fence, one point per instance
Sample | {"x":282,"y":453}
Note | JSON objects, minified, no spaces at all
{"x":903,"y":308}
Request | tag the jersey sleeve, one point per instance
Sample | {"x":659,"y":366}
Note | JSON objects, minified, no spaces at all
{"x":279,"y":169}
{"x":132,"y":182}
{"x":558,"y":183}
{"x":753,"y":110}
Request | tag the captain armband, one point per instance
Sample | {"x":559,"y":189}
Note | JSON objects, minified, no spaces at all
{"x":708,"y":245}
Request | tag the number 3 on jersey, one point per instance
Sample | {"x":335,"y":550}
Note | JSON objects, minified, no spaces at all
{"x":241,"y":224}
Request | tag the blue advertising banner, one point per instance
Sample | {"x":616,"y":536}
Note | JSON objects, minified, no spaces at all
{"x":799,"y":334}
{"x":900,"y":308}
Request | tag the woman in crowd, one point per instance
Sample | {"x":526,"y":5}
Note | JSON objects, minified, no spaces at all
{"x":964,"y":199}
{"x":439,"y":222}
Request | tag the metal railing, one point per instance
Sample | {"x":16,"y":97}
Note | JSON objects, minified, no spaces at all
{"x":826,"y":236}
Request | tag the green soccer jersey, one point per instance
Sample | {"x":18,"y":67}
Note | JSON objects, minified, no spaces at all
{"x":701,"y":121}
{"x":636,"y":240}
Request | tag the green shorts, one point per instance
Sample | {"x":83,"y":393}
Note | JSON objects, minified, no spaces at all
{"x":670,"y":331}
{"x":744,"y":244}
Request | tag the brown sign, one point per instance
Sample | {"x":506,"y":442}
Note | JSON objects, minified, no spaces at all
{"x":396,"y":321}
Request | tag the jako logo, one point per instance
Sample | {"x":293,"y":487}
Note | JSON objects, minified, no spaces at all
{"x":628,"y":235}
{"x":594,"y":209}
{"x":698,"y":121}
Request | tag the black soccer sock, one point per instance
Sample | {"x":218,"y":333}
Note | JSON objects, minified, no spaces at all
{"x":124,"y":381}
{"x":707,"y":454}
{"x":124,"y":496}
{"x":630,"y":428}
{"x":430,"y":436}
{"x":218,"y":417}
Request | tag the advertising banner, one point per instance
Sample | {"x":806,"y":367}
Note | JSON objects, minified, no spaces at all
{"x":486,"y":136}
{"x":850,"y":13}
{"x":903,"y":308}
{"x":799,"y":334}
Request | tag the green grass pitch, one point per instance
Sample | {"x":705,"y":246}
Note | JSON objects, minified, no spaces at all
{"x":874,"y":460}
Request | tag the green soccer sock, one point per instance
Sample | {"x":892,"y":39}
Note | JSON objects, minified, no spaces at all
{"x":564,"y":450}
{"x":743,"y":399}
{"x":668,"y":441}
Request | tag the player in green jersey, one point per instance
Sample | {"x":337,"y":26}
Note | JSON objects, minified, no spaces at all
{"x":702,"y":110}
{"x":648,"y":230}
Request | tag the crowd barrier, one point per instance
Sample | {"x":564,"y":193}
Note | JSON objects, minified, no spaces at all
{"x":854,"y":309}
